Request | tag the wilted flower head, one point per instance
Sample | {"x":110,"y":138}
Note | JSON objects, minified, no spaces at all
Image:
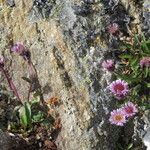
{"x":117,"y":117}
{"x":2,"y":61}
{"x":108,"y":65}
{"x":26,"y":55}
{"x":18,"y":48}
{"x":145,"y":62}
{"x":21,"y":50}
{"x":130,"y":109}
{"x":113,"y":28}
{"x":119,"y":88}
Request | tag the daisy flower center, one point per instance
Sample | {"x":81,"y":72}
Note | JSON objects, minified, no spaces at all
{"x":118,"y":87}
{"x":118,"y":117}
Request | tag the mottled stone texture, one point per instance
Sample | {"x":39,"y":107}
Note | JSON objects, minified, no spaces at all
{"x":68,"y":41}
{"x":10,"y":142}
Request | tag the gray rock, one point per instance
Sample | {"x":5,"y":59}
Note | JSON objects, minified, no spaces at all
{"x":12,"y":142}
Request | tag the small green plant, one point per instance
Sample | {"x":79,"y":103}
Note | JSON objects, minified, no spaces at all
{"x":29,"y":113}
{"x":25,"y":115}
{"x":132,"y":87}
{"x":135,"y":68}
{"x":33,"y":118}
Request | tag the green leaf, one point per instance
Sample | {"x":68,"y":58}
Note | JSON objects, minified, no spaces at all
{"x":38,"y":117}
{"x":145,"y":45}
{"x":146,"y":106}
{"x":17,"y":108}
{"x":138,"y":87}
{"x":136,"y":73}
{"x":147,"y":42}
{"x":23,"y":117}
{"x":123,"y":47}
{"x":129,"y":78}
{"x":143,"y":37}
{"x":148,"y":85}
{"x":28,"y":111}
{"x":25,"y":114}
{"x":130,"y":146}
{"x":126,"y":56}
{"x":136,"y":40}
{"x":134,"y":62}
{"x":37,"y":93}
{"x":35,"y":100}
{"x":26,"y":79}
{"x":128,"y":46}
{"x":147,"y":71}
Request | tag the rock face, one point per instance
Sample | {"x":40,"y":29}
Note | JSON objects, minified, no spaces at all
{"x":9,"y":142}
{"x":68,"y":41}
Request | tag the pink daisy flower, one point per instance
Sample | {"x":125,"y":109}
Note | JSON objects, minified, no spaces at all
{"x":18,"y":48}
{"x":113,"y":28}
{"x":117,"y":117}
{"x":119,"y":88}
{"x":108,"y":65}
{"x":145,"y":62}
{"x":130,"y":109}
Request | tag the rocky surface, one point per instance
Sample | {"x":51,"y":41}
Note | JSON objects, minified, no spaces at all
{"x":10,"y":141}
{"x":68,"y":41}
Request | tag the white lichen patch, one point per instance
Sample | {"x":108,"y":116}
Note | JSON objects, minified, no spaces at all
{"x":146,"y":139}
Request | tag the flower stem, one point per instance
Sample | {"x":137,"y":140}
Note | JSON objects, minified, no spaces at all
{"x":33,"y":75}
{"x":32,"y":71}
{"x":11,"y":84}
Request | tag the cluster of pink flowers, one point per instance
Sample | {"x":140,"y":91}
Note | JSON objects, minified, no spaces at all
{"x":120,"y":90}
{"x":120,"y":116}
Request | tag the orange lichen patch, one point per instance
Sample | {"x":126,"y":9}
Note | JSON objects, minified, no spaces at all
{"x":52,"y":101}
{"x":51,"y":111}
{"x":57,"y":123}
{"x":50,"y":145}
